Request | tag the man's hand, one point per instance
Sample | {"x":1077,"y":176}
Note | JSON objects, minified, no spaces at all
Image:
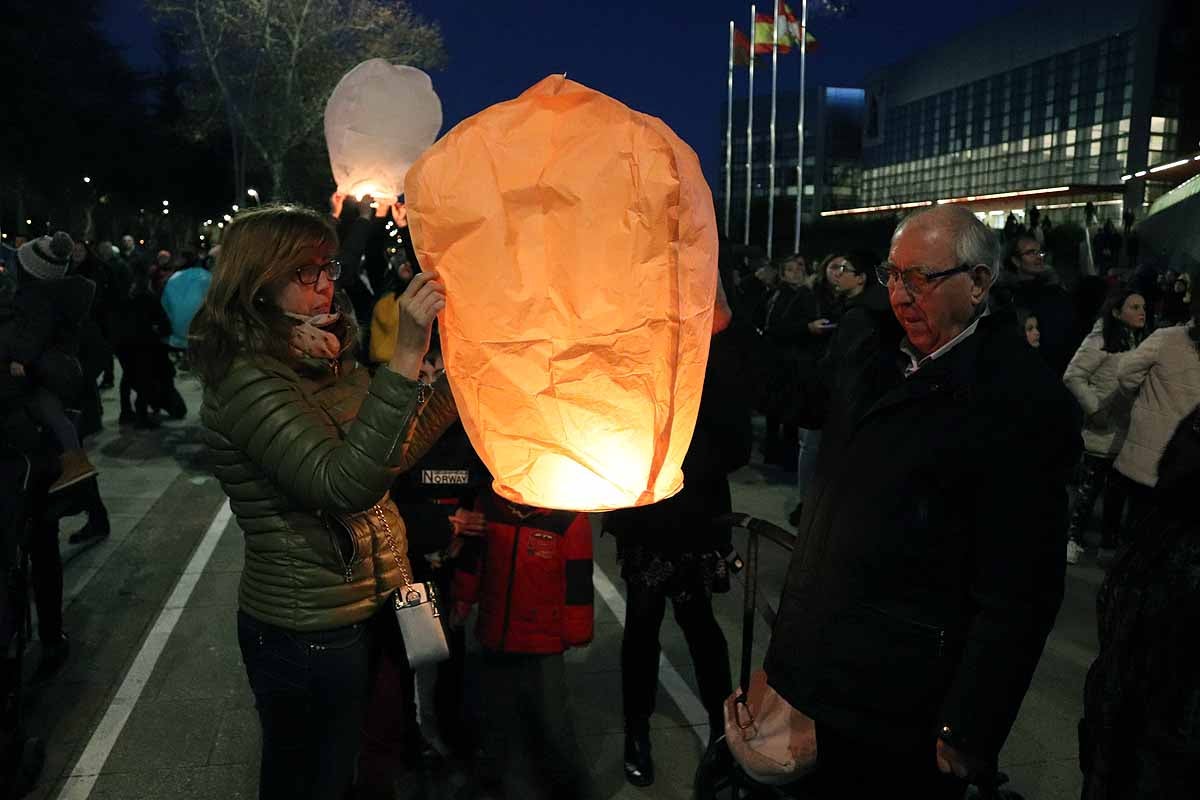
{"x":16,"y":369}
{"x":468,"y":523}
{"x":963,"y":765}
{"x":400,"y":215}
{"x":819,"y":327}
{"x":336,"y":201}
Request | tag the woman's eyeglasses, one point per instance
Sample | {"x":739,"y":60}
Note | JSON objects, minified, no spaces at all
{"x":310,"y":275}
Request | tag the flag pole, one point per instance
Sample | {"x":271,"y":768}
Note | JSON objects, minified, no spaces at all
{"x":729,"y":132}
{"x":771,"y":163}
{"x":800,"y":125}
{"x":750,"y":132}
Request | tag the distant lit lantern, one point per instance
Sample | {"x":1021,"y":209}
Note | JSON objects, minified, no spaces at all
{"x":578,"y":245}
{"x":378,"y":121}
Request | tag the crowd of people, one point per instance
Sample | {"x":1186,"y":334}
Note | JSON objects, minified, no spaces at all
{"x":935,"y":405}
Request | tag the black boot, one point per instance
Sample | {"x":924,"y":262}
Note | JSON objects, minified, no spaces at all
{"x":54,"y":656}
{"x":97,"y":526}
{"x":639,"y":765}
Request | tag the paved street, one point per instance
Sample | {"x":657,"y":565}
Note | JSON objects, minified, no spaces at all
{"x":154,"y":701}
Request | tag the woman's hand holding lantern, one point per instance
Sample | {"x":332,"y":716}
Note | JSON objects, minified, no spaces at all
{"x":420,"y":304}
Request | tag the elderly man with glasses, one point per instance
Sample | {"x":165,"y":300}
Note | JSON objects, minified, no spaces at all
{"x":928,"y":569}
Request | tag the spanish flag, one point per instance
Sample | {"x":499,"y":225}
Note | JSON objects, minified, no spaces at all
{"x":789,"y":32}
{"x":741,"y":49}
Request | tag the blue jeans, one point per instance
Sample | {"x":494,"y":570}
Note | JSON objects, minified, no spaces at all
{"x":311,"y":691}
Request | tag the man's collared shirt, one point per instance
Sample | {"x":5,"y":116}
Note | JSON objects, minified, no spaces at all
{"x":916,"y":360}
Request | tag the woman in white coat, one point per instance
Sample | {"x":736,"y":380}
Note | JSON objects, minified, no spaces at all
{"x":1163,"y":376}
{"x":1092,"y":378}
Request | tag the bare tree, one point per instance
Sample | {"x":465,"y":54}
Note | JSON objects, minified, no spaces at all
{"x":268,"y":66}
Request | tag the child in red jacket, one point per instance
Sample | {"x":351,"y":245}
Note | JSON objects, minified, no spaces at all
{"x":531,"y":574}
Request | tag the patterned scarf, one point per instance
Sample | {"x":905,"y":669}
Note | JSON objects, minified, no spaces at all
{"x":309,"y":339}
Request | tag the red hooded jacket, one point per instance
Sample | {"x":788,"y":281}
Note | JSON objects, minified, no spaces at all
{"x":532,"y":578}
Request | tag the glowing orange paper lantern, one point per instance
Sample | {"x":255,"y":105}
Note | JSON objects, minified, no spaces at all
{"x":578,"y":245}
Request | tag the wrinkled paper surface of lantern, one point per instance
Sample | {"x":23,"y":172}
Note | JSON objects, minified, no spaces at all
{"x":378,"y":121}
{"x":578,"y":245}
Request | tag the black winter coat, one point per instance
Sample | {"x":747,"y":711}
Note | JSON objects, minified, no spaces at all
{"x":1045,"y":297}
{"x":866,"y":324}
{"x":450,"y":476}
{"x":46,"y":317}
{"x":928,"y":568}
{"x":789,"y":348}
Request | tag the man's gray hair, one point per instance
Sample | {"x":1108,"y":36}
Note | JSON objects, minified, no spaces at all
{"x":974,"y":242}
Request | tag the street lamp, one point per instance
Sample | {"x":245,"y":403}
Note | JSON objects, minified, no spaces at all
{"x":254,"y":193}
{"x":235,"y":208}
{"x":166,"y":211}
{"x":228,"y":218}
{"x":166,"y":202}
{"x":86,"y":179}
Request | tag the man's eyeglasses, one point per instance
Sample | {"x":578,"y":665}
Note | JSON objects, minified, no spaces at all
{"x":310,"y":275}
{"x":915,"y":280}
{"x":1033,"y":252}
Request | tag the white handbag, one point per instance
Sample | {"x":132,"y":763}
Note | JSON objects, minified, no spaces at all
{"x":416,"y":609}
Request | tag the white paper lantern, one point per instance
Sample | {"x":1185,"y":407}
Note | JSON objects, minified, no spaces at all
{"x":378,"y":121}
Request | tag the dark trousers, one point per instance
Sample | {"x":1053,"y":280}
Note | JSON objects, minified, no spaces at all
{"x":45,"y":568}
{"x":529,"y":731}
{"x":1096,"y":477}
{"x":851,"y":769}
{"x":391,"y":734}
{"x":781,"y":445}
{"x":125,"y":357}
{"x":1140,"y":505}
{"x":311,"y":692}
{"x":47,"y":408}
{"x":644,"y":610}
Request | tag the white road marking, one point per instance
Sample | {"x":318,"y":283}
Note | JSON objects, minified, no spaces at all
{"x":668,"y":676}
{"x":82,"y":777}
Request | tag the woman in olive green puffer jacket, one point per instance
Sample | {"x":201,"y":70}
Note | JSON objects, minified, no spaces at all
{"x":306,"y":445}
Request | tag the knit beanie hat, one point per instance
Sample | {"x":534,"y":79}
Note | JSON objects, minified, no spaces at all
{"x":47,"y":257}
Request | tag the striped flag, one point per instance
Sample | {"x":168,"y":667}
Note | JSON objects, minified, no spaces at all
{"x":741,"y":49}
{"x":789,"y":32}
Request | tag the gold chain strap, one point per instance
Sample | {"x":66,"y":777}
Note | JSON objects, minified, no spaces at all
{"x":401,"y":562}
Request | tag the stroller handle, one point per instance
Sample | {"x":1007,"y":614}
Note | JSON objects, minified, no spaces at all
{"x":762,"y":528}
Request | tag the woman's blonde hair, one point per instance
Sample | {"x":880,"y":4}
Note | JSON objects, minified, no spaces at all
{"x":261,"y":248}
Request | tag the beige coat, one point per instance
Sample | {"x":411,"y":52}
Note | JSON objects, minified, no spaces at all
{"x":1164,"y":376}
{"x":1092,"y":378}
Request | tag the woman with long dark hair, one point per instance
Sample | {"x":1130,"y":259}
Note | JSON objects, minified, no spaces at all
{"x":1092,"y":378}
{"x":1163,"y":377}
{"x":306,"y":445}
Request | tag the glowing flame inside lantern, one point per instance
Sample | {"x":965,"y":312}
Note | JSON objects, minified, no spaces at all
{"x":361,"y":190}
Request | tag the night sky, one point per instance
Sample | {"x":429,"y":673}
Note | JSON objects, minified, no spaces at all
{"x":668,"y":59}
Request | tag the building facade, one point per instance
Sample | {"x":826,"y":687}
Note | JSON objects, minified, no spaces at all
{"x":1056,"y":104}
{"x":832,"y":158}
